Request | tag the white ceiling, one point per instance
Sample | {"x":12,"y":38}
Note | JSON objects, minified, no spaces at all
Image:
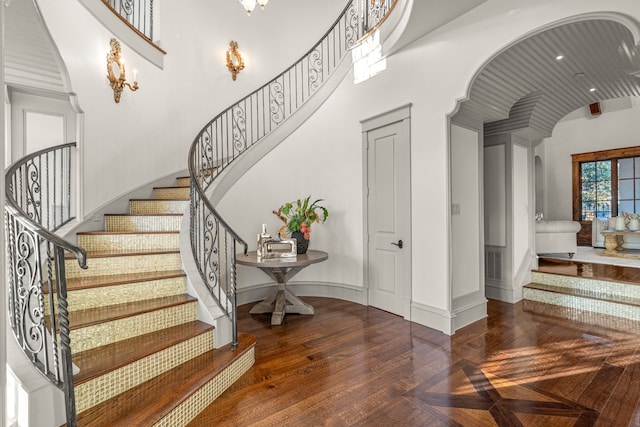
{"x":526,"y":88}
{"x":31,"y":58}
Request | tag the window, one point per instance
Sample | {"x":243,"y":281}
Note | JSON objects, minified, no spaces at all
{"x":596,"y":189}
{"x":606,"y":183}
{"x":629,"y":184}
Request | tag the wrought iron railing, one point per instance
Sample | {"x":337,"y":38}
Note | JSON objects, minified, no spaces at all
{"x":38,"y":190}
{"x":374,"y":13}
{"x":137,"y":13}
{"x":234,"y":131}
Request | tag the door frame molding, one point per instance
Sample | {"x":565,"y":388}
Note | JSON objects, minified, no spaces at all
{"x":398,"y":114}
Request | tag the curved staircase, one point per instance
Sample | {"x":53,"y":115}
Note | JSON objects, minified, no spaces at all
{"x":143,"y":357}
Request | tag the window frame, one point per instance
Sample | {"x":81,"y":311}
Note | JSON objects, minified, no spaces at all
{"x":612,"y":155}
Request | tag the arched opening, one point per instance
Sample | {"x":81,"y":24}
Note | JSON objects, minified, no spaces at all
{"x":515,"y":101}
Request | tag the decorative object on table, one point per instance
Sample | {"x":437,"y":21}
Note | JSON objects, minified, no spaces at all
{"x":620,"y":225}
{"x":263,"y":236}
{"x":297,"y":218}
{"x":269,"y":247}
{"x":634,"y":225}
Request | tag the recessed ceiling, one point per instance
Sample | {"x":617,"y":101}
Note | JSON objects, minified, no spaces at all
{"x":535,"y":83}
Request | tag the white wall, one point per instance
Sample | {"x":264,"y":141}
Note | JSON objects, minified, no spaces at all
{"x":465,"y":222}
{"x":3,"y":287}
{"x":520,"y":200}
{"x":432,"y":74}
{"x":580,"y":133}
{"x":149,"y":131}
{"x":147,"y":134}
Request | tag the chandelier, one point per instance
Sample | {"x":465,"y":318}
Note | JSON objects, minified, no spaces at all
{"x":249,"y":5}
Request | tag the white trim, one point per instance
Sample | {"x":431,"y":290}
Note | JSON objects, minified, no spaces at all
{"x":468,"y":309}
{"x":123,"y":32}
{"x":386,"y":118}
{"x":340,"y":291}
{"x":502,"y":293}
{"x":433,"y":317}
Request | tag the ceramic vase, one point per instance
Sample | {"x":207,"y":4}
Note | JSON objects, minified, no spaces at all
{"x":620,"y":223}
{"x":634,"y":225}
{"x":301,"y":242}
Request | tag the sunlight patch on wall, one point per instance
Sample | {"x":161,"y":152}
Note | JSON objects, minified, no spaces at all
{"x":367,"y":59}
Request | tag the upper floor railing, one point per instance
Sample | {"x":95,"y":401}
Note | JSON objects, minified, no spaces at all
{"x":137,"y":13}
{"x":38,"y":190}
{"x":238,"y":128}
{"x":374,"y":13}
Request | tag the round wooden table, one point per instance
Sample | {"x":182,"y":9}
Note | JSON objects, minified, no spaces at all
{"x":282,"y":300}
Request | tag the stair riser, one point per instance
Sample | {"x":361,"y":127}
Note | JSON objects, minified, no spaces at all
{"x":602,"y":287}
{"x":125,"y":264}
{"x":158,"y":206}
{"x":142,"y":223}
{"x":98,"y":390}
{"x":184,"y":181}
{"x":203,"y":397}
{"x":83,"y":299}
{"x":580,"y":303}
{"x":89,"y":337}
{"x":588,"y":317}
{"x":171,"y":193}
{"x":130,"y":242}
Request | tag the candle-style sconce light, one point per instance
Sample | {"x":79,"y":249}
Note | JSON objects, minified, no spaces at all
{"x":116,"y":72}
{"x":235,"y":63}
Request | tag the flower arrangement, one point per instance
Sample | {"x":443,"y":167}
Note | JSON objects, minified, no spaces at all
{"x":299,"y":215}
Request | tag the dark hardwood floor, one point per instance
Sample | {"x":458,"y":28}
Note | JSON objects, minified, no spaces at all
{"x":354,"y":365}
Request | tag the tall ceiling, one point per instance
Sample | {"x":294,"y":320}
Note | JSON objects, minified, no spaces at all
{"x":529,"y":88}
{"x":31,"y":57}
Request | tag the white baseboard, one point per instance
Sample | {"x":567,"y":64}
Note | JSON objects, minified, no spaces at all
{"x":503,"y":294}
{"x":316,"y":289}
{"x":432,"y":317}
{"x":468,"y":309}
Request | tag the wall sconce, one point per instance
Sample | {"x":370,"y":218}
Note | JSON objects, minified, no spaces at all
{"x":116,"y":72}
{"x":235,"y":64}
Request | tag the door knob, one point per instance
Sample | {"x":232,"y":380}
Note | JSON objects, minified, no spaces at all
{"x":399,"y":244}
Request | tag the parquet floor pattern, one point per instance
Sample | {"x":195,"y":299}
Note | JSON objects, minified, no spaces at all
{"x":351,"y":365}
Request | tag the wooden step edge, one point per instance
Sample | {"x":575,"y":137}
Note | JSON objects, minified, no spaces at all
{"x":160,"y":200}
{"x":90,"y":282}
{"x":127,"y":233}
{"x":96,"y":316}
{"x":171,"y":187}
{"x":143,"y":215}
{"x":583,"y":294}
{"x":599,"y":278}
{"x":124,"y":253}
{"x":149,"y":402}
{"x":102,"y":360}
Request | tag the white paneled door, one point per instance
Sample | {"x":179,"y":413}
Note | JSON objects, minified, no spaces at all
{"x":389,"y":217}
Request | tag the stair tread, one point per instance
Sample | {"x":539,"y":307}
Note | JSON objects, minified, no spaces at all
{"x":123,"y":252}
{"x":593,"y":271}
{"x":149,"y":402}
{"x":93,"y":316}
{"x":88,"y":282}
{"x":584,"y":294}
{"x":101,"y":360}
{"x":112,"y":233}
